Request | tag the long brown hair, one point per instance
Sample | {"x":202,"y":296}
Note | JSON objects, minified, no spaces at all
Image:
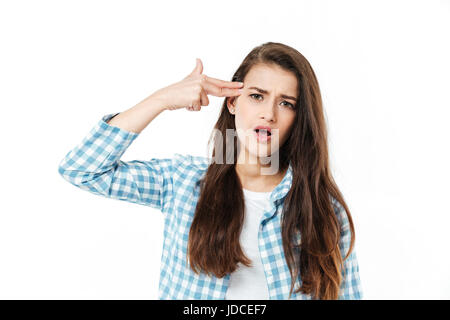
{"x":308,"y":208}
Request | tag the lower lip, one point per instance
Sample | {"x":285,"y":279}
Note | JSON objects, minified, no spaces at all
{"x":262,"y":137}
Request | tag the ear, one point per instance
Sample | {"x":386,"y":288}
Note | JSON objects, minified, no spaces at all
{"x":231,"y":105}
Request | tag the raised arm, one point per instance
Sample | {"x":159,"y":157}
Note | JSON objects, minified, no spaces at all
{"x":94,"y":165}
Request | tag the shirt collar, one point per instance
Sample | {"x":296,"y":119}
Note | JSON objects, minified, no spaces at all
{"x":283,"y":187}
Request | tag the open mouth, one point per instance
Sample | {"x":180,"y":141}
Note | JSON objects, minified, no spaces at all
{"x":263,"y":135}
{"x":263,"y":132}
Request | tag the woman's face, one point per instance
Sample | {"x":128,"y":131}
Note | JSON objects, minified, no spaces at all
{"x":268,"y":99}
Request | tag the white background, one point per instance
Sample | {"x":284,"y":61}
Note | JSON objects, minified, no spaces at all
{"x":383,"y":68}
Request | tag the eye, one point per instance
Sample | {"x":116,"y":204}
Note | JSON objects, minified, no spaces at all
{"x":288,"y":103}
{"x":255,"y":94}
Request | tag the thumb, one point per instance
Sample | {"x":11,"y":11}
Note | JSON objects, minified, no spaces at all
{"x":198,"y":67}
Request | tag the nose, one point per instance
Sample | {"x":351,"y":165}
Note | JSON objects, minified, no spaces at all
{"x":268,"y":112}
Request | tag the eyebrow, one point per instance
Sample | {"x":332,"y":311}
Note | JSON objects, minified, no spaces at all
{"x":266,"y":92}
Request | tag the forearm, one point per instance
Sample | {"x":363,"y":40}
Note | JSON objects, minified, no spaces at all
{"x":137,"y":118}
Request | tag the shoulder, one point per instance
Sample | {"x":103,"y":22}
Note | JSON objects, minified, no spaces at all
{"x":187,"y":166}
{"x":193,"y":161}
{"x":189,"y":169}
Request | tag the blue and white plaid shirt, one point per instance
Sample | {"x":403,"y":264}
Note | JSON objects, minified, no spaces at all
{"x":171,"y":186}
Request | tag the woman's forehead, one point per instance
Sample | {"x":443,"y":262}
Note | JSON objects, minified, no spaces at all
{"x":271,"y":78}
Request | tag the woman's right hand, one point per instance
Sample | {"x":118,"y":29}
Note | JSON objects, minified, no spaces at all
{"x":192,"y":92}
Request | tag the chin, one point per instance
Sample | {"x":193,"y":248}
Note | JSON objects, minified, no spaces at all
{"x":263,"y":151}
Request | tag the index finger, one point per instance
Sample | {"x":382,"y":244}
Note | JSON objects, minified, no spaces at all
{"x":223,"y":83}
{"x":219,"y":91}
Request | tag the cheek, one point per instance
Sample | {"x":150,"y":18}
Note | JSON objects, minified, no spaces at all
{"x":289,"y":124}
{"x":244,"y":117}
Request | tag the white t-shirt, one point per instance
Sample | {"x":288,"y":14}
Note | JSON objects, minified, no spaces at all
{"x":248,"y":283}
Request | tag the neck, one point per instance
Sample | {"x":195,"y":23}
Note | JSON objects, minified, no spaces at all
{"x":255,"y":175}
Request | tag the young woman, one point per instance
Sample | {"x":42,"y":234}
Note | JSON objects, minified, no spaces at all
{"x":262,"y":218}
